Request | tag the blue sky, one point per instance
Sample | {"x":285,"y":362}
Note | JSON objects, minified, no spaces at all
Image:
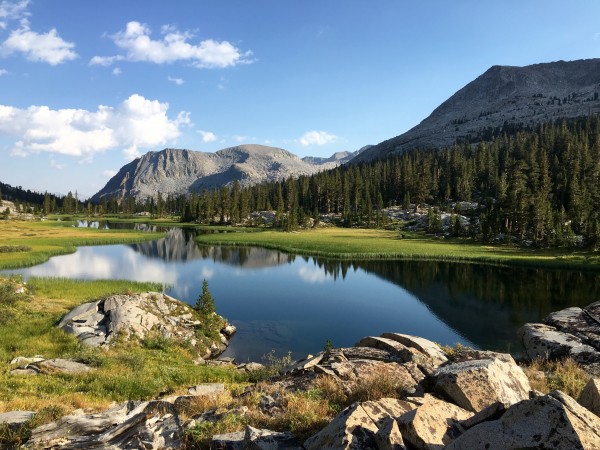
{"x":86,"y":86}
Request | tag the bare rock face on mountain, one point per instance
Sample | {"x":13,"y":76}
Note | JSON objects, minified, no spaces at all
{"x":174,"y":171}
{"x":501,"y":98}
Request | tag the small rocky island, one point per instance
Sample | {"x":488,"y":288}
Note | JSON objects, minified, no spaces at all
{"x":147,"y":314}
{"x":405,"y":392}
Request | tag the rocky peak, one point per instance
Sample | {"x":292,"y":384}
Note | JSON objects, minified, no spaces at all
{"x":181,"y":171}
{"x":502,"y":97}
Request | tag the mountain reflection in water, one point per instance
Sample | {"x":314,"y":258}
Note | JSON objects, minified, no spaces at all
{"x":288,"y":302}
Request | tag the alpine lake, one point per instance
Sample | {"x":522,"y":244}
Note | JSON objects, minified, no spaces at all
{"x":284,"y":303}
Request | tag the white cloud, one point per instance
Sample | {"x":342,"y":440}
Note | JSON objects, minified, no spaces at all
{"x":134,"y":124}
{"x":239,"y":138}
{"x":135,"y":40}
{"x":177,"y":81}
{"x":11,"y":10}
{"x":312,"y":276}
{"x":116,"y":71}
{"x":317,"y":138}
{"x":3,"y":72}
{"x":45,"y":47}
{"x":208,"y":136}
{"x":207,"y":273}
{"x":105,"y":60}
{"x":109,"y":173}
{"x":55,"y":165}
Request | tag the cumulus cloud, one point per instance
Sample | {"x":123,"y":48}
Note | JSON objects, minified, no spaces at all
{"x":240,"y":139}
{"x":3,"y":72}
{"x":134,"y":124}
{"x":11,"y":10}
{"x":177,"y":81}
{"x":317,"y":138}
{"x":109,"y":173}
{"x":116,"y":71}
{"x":174,"y":45}
{"x":208,"y":136}
{"x":38,"y":47}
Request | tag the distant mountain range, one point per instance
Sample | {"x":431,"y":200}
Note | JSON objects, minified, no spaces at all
{"x":503,"y":98}
{"x":174,"y":171}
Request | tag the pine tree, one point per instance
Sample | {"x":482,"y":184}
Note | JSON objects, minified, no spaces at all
{"x":205,"y":303}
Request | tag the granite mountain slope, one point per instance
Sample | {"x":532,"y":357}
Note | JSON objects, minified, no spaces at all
{"x":175,"y":171}
{"x":503,"y":97}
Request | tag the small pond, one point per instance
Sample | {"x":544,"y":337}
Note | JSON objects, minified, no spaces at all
{"x":285,"y":302}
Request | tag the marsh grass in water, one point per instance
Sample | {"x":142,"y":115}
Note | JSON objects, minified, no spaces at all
{"x":36,"y":242}
{"x":351,"y":243}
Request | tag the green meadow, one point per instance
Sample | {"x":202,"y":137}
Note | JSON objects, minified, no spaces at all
{"x":351,"y":243}
{"x":29,"y":243}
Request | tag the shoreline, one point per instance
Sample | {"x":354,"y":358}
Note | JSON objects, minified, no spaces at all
{"x":423,"y":248}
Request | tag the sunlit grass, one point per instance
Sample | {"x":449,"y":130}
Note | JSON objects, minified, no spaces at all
{"x":344,"y":243}
{"x":126,"y":371}
{"x":39,"y":241}
{"x":565,"y":375}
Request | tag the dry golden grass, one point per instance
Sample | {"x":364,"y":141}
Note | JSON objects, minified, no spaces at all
{"x":565,"y":375}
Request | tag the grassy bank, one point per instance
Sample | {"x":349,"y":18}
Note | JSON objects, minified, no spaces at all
{"x":345,"y":243}
{"x":29,"y":243}
{"x":124,"y":372}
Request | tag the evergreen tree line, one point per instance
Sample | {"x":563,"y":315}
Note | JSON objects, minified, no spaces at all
{"x":28,"y":201}
{"x":539,"y":185}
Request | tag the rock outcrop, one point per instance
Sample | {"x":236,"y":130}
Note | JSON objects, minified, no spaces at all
{"x":551,"y":421}
{"x":433,"y":424}
{"x":590,"y":396}
{"x":362,"y":425}
{"x":256,"y":439}
{"x":572,"y":332}
{"x":142,"y":316}
{"x":477,"y":384}
{"x":9,"y":210}
{"x":151,"y":424}
{"x":401,"y":367}
{"x":15,"y":419}
{"x":470,"y":400}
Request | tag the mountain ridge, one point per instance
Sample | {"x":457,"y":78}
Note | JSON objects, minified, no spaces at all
{"x":182,"y":171}
{"x":501,"y":97}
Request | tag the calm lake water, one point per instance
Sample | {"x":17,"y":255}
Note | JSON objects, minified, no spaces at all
{"x":294,"y":303}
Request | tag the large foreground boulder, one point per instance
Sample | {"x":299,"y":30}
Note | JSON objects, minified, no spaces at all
{"x":140,"y":316}
{"x":362,"y":426}
{"x":590,"y":396}
{"x":572,"y":332}
{"x":476,"y":384}
{"x":553,"y":421}
{"x":432,"y":424}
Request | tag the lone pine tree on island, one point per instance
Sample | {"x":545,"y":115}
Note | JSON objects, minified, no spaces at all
{"x":205,"y":303}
